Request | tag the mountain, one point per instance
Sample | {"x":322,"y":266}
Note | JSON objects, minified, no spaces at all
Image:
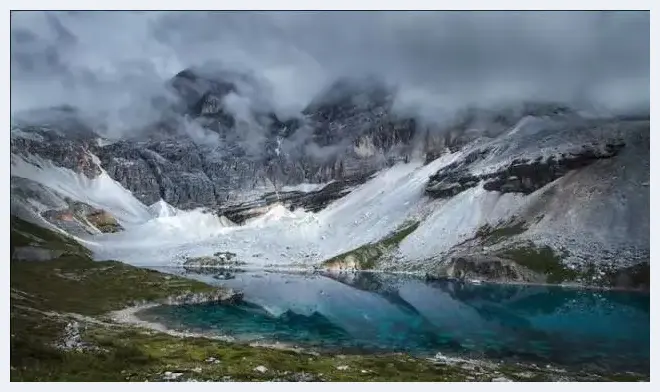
{"x":537,"y":192}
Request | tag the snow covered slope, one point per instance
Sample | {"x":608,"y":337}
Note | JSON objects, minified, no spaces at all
{"x":278,"y":237}
{"x":547,"y":176}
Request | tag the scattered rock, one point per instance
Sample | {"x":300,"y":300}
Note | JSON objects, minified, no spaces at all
{"x":304,"y":377}
{"x":261,"y":369}
{"x":342,"y":367}
{"x":485,"y":267}
{"x":219,"y":259}
{"x":169,"y":376}
{"x":103,"y":221}
{"x":500,"y":379}
{"x":72,"y":339}
{"x":519,"y":176}
{"x":220,"y":295}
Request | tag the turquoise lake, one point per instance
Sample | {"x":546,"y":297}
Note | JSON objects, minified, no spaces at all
{"x":373,"y":312}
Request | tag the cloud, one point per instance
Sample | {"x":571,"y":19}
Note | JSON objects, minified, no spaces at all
{"x":110,"y":64}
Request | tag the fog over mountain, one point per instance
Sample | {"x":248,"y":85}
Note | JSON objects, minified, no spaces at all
{"x":112,"y":64}
{"x":459,"y":144}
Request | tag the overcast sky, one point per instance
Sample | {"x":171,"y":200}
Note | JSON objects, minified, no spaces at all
{"x":441,"y":60}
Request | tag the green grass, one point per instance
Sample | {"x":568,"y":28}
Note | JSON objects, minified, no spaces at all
{"x":131,"y":354}
{"x":74,"y":284}
{"x":548,"y":262}
{"x":367,"y":256}
{"x":46,"y":296}
{"x":543,"y":260}
{"x":24,"y":233}
{"x":492,"y":235}
{"x":395,"y":238}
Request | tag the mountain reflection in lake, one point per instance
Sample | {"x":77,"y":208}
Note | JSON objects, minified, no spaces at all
{"x":376,"y":312}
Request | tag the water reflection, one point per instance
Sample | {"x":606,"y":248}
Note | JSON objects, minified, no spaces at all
{"x":385,"y":312}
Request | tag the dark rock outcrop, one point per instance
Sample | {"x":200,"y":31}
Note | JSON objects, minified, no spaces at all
{"x":200,"y":154}
{"x":71,"y":151}
{"x":486,"y":268}
{"x":637,"y":277}
{"x":527,"y":177}
{"x":521,"y":175}
{"x":313,"y":201}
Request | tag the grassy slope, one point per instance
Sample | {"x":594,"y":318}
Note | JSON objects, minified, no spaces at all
{"x":48,"y":296}
{"x":545,"y":260}
{"x":366,"y":256}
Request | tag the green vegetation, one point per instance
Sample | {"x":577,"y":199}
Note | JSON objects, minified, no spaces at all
{"x":118,"y":353}
{"x":75,"y":284}
{"x":50,"y":299}
{"x":366,"y":256}
{"x":493,"y":235}
{"x":24,"y":233}
{"x":542,"y":260}
{"x":548,"y":262}
{"x":46,"y":297}
{"x":393,"y":240}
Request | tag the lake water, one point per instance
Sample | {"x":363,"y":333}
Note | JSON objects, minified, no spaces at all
{"x":370,"y":312}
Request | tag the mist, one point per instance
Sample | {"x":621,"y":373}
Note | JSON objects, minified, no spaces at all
{"x":111,"y":65}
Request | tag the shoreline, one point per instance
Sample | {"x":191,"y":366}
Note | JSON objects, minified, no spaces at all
{"x":128,"y":316}
{"x":421,"y":275}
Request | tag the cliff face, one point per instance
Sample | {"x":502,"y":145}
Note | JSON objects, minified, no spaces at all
{"x":205,"y":152}
{"x":479,"y":185}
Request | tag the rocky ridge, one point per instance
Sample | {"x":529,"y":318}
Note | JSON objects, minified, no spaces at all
{"x":581,"y":183}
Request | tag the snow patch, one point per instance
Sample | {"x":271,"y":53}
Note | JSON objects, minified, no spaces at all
{"x":304,"y":187}
{"x":163,"y":209}
{"x":456,"y":220}
{"x":101,"y":192}
{"x":104,"y":142}
{"x":279,"y":237}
